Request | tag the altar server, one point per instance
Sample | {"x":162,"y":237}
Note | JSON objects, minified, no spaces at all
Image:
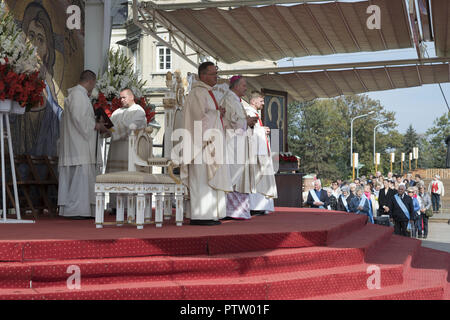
{"x":130,"y":113}
{"x":76,"y":197}
{"x":264,"y":188}
{"x":202,"y":170}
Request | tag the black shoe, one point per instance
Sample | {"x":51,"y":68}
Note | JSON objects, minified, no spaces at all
{"x":204,"y":223}
{"x":227,"y":218}
{"x":419,"y":236}
{"x":257,"y":212}
{"x":79,"y":218}
{"x":424,"y":237}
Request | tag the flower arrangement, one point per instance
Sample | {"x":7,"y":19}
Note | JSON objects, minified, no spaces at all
{"x":19,"y":65}
{"x":119,"y":76}
{"x":287,"y":157}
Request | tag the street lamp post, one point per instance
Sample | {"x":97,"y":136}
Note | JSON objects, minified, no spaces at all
{"x":351,"y":134}
{"x":374,"y":139}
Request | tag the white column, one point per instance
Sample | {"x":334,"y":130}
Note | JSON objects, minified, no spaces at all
{"x":99,"y":211}
{"x":167,"y":206}
{"x":159,"y":210}
{"x":131,"y":209}
{"x":98,"y":21}
{"x":148,"y":207}
{"x":140,"y":207}
{"x":179,"y":206}
{"x":120,"y":211}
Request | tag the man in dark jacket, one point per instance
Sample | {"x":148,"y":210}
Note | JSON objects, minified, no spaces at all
{"x":399,"y":203}
{"x":384,"y":198}
{"x":317,"y":197}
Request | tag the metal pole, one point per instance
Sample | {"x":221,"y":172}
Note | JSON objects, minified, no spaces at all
{"x":2,"y":144}
{"x":351,"y":144}
{"x":374,"y":139}
{"x":351,"y":134}
{"x":353,"y":165}
{"x":13,"y":170}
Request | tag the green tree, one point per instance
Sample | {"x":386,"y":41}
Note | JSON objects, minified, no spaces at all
{"x":319,"y":132}
{"x":410,"y":141}
{"x":436,"y":136}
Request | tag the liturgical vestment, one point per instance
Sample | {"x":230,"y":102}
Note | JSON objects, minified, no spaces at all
{"x":207,"y":178}
{"x":235,"y":121}
{"x":122,"y":119}
{"x":76,"y":195}
{"x":264,"y":188}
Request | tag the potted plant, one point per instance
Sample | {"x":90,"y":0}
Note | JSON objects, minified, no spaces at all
{"x":287,"y":162}
{"x":119,"y":76}
{"x":20,"y":85}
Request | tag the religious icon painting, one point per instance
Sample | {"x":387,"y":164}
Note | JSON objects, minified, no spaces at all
{"x":274,"y":116}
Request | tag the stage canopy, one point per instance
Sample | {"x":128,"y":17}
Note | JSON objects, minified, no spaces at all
{"x":330,"y":83}
{"x":236,"y":31}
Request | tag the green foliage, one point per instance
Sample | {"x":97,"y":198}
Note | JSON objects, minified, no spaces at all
{"x":410,"y":141}
{"x":319,"y":132}
{"x":435,"y":142}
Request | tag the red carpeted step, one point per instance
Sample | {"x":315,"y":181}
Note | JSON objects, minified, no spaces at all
{"x":101,"y":271}
{"x":398,"y":250}
{"x":368,"y":238}
{"x":418,"y":284}
{"x":425,"y":273}
{"x":167,"y":290}
{"x":293,"y":285}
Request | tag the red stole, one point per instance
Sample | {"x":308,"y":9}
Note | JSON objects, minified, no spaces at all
{"x":217,"y":105}
{"x":267,"y":140}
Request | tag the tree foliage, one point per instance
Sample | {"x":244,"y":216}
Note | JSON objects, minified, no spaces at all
{"x":319,"y":132}
{"x":435,"y":141}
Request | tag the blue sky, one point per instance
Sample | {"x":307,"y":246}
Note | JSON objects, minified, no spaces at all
{"x":418,"y":106}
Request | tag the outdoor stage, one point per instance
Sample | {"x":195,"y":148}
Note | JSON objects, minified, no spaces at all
{"x":291,"y":254}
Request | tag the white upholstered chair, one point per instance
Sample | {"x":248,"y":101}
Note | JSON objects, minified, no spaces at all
{"x":138,"y":184}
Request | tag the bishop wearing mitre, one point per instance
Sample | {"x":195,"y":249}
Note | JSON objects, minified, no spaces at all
{"x":202,"y":168}
{"x":236,"y":123}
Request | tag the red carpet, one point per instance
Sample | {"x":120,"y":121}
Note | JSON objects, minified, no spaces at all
{"x":292,"y":254}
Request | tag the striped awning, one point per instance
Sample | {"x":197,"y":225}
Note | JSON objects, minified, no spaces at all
{"x":276,"y":31}
{"x":304,"y":86}
{"x":441,"y":26}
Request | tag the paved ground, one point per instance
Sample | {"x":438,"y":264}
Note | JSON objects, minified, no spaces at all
{"x":438,"y":236}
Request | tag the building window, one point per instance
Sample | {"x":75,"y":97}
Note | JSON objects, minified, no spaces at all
{"x":164,"y":58}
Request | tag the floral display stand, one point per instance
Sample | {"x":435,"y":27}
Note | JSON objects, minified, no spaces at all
{"x":7,"y":107}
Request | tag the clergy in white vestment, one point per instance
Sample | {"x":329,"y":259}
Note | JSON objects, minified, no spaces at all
{"x":236,"y":123}
{"x":206,"y":176}
{"x":130,"y":113}
{"x":76,"y":197}
{"x":264,"y":188}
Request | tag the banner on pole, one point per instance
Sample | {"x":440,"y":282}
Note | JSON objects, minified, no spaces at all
{"x":355,"y":160}
{"x":416,"y":153}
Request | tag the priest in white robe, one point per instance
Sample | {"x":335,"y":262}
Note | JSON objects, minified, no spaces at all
{"x":202,"y":170}
{"x":263,"y":184}
{"x":130,"y":113}
{"x":77,"y":145}
{"x":236,"y":123}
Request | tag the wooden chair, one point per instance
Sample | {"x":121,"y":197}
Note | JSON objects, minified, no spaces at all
{"x":138,"y":186}
{"x":35,"y":177}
